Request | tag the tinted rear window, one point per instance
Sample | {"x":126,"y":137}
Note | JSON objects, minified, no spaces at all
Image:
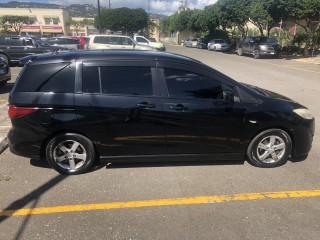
{"x":57,"y":78}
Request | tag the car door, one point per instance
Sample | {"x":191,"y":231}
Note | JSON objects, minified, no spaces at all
{"x":246,"y":45}
{"x":119,"y":106}
{"x":15,"y":48}
{"x":198,"y":119}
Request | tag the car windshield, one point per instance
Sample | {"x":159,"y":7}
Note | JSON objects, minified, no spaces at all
{"x":265,"y":40}
{"x":41,"y":42}
{"x":220,"y":41}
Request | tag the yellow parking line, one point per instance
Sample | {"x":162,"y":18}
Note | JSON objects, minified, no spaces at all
{"x":163,"y":202}
{"x":3,"y":100}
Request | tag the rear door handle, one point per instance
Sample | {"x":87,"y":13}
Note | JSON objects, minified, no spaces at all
{"x":145,"y":105}
{"x":178,"y":107}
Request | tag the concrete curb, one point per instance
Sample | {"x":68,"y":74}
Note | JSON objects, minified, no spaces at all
{"x":3,"y":144}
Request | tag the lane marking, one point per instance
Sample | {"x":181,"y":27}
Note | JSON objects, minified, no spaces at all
{"x":163,"y":202}
{"x":3,"y":100}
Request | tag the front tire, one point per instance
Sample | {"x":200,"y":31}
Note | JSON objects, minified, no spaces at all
{"x":270,"y":148}
{"x":5,"y":58}
{"x":70,"y":153}
{"x":256,"y":54}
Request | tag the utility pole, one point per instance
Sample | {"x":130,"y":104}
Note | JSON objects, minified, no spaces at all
{"x":99,"y":16}
{"x":109,"y":5}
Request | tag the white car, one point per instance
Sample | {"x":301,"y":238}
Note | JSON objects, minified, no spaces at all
{"x":150,"y":42}
{"x":218,"y":45}
{"x":116,"y":42}
{"x":191,"y":42}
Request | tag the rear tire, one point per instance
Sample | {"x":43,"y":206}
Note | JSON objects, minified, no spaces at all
{"x":270,"y":148}
{"x":70,"y":153}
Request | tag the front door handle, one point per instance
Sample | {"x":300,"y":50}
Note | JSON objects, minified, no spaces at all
{"x":145,"y":105}
{"x":178,"y":107}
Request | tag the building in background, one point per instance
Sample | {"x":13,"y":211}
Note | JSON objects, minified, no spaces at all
{"x":47,"y":22}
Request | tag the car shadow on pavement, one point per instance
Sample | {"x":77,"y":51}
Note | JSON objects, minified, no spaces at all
{"x":31,"y":199}
{"x":44,"y":164}
{"x":7,"y":88}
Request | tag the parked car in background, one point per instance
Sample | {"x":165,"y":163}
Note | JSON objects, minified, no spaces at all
{"x":116,"y":42}
{"x":202,"y":43}
{"x":83,"y":40}
{"x":259,"y":47}
{"x":12,"y":48}
{"x":65,"y":42}
{"x":5,"y":73}
{"x":145,"y":41}
{"x":191,"y":42}
{"x":218,"y":45}
{"x":79,"y":107}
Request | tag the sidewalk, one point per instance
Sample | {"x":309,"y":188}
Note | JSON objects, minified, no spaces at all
{"x":5,"y":125}
{"x":314,"y":60}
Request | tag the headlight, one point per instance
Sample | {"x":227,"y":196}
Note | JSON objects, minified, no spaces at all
{"x":304,"y":113}
{"x":263,"y":47}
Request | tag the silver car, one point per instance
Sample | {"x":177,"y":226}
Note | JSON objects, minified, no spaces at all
{"x":191,"y":42}
{"x":218,"y":45}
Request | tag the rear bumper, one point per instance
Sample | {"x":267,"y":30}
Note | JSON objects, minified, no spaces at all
{"x":25,"y":143}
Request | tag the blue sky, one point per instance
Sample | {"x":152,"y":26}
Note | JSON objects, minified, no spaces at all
{"x":166,"y":7}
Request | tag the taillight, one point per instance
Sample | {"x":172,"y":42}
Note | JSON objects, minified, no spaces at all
{"x":16,"y":112}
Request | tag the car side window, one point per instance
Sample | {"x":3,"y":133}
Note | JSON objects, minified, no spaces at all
{"x":16,"y":42}
{"x":184,"y":84}
{"x":140,"y":39}
{"x":117,"y":80}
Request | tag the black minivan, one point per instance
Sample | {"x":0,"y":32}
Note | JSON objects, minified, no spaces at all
{"x":76,"y":108}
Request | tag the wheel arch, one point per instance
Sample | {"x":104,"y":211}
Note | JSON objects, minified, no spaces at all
{"x":4,"y":53}
{"x":285,"y":129}
{"x":48,"y":138}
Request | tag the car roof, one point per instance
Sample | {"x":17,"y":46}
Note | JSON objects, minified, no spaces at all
{"x":114,"y":55}
{"x":97,"y":55}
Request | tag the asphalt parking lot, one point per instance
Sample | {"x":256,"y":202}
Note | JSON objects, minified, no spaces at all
{"x":199,"y":200}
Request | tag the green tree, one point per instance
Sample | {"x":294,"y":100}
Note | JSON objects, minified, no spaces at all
{"x":265,"y":14}
{"x":124,"y":19}
{"x":306,"y":14}
{"x":16,"y":22}
{"x":78,"y":25}
{"x":233,"y":14}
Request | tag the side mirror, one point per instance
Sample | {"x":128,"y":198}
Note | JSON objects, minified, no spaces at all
{"x":228,"y":96}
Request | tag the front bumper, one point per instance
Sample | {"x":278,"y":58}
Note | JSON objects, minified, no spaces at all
{"x":303,"y":138}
